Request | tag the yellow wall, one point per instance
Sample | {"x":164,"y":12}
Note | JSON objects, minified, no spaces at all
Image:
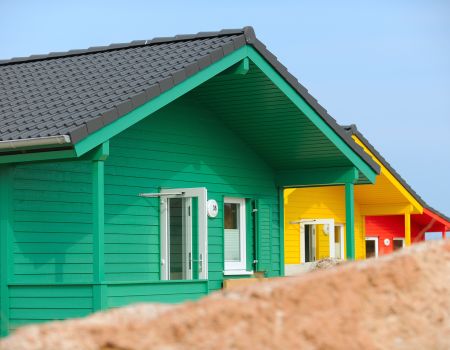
{"x":317,"y":203}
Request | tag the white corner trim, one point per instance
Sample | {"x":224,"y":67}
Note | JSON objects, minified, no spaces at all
{"x":237,"y":273}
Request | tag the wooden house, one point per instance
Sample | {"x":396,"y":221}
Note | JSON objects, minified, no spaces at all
{"x":153,"y":171}
{"x":388,"y":215}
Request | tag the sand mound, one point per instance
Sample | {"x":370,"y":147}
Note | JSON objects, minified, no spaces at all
{"x":398,"y":302}
{"x":327,"y":263}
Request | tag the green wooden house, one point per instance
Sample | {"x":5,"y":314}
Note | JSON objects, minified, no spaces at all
{"x":153,"y":171}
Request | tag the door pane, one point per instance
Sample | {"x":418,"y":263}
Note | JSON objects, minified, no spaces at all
{"x":231,"y":216}
{"x":232,"y":233}
{"x":370,"y":248}
{"x":310,"y":243}
{"x":337,"y":242}
{"x":177,"y":239}
{"x":195,"y":256}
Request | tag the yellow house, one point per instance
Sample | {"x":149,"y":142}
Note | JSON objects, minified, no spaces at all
{"x":315,"y":217}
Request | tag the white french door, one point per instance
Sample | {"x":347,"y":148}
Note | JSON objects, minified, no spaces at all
{"x":308,"y":232}
{"x":183,"y":223}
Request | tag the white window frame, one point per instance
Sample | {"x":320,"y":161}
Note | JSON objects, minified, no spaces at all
{"x":304,"y":222}
{"x":201,"y":194}
{"x":376,"y":244}
{"x":398,"y":239}
{"x":238,"y":267}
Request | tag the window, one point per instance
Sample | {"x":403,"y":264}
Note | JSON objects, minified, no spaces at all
{"x":234,"y":234}
{"x":371,"y":247}
{"x":399,"y":243}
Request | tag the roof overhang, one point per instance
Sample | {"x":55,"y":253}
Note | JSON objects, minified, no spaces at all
{"x":256,"y":52}
{"x":389,"y":190}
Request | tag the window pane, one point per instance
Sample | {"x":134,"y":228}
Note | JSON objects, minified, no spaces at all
{"x":176,"y":239}
{"x":232,"y":245}
{"x":337,"y":234}
{"x":398,"y":244}
{"x":232,"y":233}
{"x":310,"y":243}
{"x":370,"y":248}
{"x":337,"y":242}
{"x":231,"y":216}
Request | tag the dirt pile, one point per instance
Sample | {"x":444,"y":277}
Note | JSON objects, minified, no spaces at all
{"x":398,"y":302}
{"x":327,"y":263}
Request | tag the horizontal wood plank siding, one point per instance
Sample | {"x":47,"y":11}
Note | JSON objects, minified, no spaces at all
{"x":165,"y":292}
{"x":35,"y":304}
{"x":52,"y":222}
{"x":183,"y":145}
{"x":326,"y":202}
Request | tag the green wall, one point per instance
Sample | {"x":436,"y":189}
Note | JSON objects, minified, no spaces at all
{"x":52,"y":221}
{"x":183,"y":145}
{"x":48,"y":218}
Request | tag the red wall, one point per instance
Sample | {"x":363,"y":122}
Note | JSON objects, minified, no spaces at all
{"x":385,"y":227}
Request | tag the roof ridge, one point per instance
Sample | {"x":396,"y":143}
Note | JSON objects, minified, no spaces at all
{"x":248,"y":31}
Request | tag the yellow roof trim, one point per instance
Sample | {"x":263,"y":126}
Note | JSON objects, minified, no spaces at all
{"x":418,"y":209}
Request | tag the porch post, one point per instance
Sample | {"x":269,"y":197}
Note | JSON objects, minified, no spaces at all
{"x":98,"y":223}
{"x":407,"y":227}
{"x":349,"y":221}
{"x":444,"y":232}
{"x":281,"y":219}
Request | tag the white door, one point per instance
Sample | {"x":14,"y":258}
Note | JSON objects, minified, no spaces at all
{"x":183,"y":234}
{"x":371,"y":247}
{"x":308,"y":229}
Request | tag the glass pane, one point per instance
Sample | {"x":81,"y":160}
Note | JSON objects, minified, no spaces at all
{"x":337,"y":234}
{"x":177,"y":240}
{"x":310,"y":243}
{"x":398,"y":244}
{"x":231,"y":215}
{"x":370,"y":248}
{"x":232,"y":233}
{"x":337,"y":242}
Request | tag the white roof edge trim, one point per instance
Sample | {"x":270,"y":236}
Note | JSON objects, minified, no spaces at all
{"x":35,"y":141}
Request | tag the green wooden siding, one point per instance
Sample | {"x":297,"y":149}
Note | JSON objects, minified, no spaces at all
{"x":65,"y":254}
{"x":35,"y":304}
{"x":162,"y":292}
{"x":183,"y":145}
{"x":52,"y":222}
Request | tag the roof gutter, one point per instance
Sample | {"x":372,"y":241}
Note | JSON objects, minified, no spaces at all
{"x":35,"y":142}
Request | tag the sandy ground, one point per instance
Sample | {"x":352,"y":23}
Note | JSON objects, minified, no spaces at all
{"x":397,"y":302}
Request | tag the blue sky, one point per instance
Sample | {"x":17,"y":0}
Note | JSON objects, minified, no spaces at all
{"x":383,"y":65}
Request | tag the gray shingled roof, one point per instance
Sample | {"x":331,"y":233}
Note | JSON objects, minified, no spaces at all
{"x":77,"y":92}
{"x":352,"y":129}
